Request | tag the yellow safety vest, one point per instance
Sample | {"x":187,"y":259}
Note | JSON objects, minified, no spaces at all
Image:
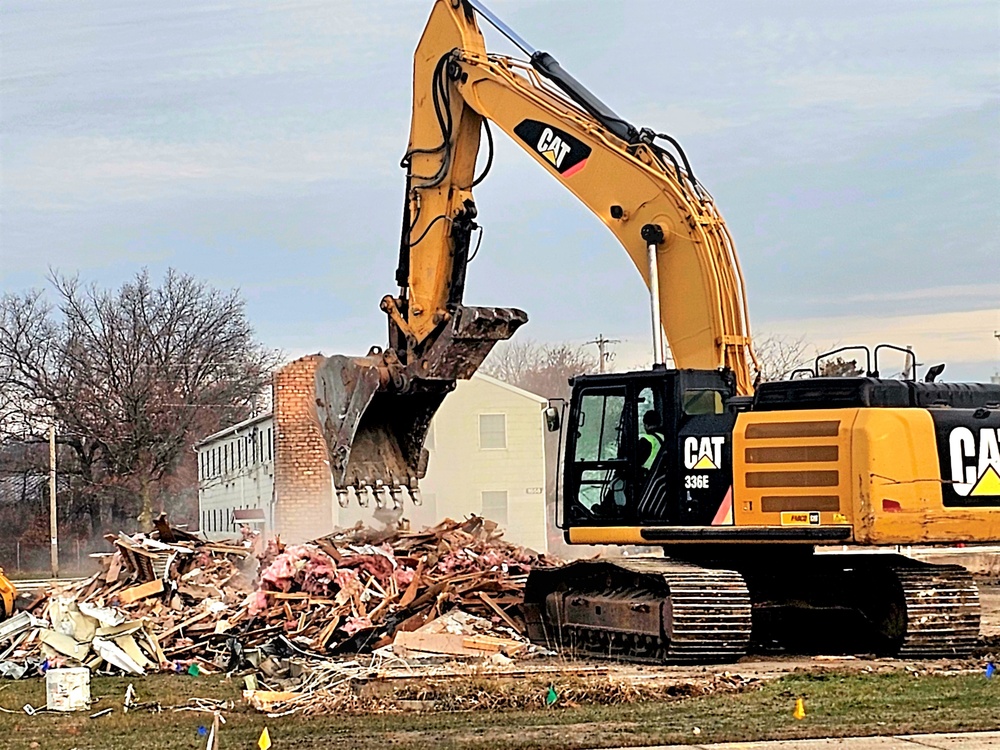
{"x":655,"y":443}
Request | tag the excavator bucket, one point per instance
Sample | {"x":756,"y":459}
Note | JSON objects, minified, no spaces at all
{"x":375,"y":410}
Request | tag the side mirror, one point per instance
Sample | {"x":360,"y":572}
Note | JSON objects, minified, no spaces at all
{"x":551,"y":418}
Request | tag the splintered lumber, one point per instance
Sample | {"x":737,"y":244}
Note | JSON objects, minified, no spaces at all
{"x":114,"y":568}
{"x":402,"y":675}
{"x":454,"y":644}
{"x":500,"y":613}
{"x":141,"y":591}
{"x":187,"y":623}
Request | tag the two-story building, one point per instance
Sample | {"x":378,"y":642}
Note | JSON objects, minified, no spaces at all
{"x":487,"y":456}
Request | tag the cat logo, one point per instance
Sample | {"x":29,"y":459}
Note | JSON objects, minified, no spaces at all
{"x":975,"y":461}
{"x":564,"y":153}
{"x":703,"y":453}
{"x":552,"y":147}
{"x":790,"y":518}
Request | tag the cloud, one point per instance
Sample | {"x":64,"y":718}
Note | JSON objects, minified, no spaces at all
{"x":68,"y":173}
{"x":983,"y":294}
{"x":886,"y":92}
{"x":683,"y":120}
{"x":960,"y":337}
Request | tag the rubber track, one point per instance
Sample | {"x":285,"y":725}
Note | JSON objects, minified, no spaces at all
{"x":942,"y":611}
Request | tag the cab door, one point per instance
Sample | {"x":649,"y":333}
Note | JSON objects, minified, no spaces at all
{"x":599,"y":468}
{"x":655,"y":473}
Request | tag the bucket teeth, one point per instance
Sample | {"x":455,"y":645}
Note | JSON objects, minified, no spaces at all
{"x":374,"y":411}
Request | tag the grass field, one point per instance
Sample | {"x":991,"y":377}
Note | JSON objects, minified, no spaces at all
{"x":837,"y":704}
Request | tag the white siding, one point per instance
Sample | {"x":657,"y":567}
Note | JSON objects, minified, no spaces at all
{"x":235,"y":471}
{"x":461,"y":471}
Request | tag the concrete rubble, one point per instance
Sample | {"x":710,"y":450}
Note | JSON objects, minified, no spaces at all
{"x":172,"y":601}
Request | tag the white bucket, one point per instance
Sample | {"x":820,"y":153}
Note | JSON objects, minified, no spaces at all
{"x":67,"y":689}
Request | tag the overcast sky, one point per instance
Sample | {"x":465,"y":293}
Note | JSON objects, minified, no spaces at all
{"x":853,"y":147}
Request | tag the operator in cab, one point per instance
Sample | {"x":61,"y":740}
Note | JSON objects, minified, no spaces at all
{"x":651,"y":440}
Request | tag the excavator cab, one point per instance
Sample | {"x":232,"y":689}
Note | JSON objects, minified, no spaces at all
{"x":629,"y":439}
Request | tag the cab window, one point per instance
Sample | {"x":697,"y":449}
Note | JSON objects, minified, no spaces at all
{"x":701,"y":401}
{"x":599,"y":430}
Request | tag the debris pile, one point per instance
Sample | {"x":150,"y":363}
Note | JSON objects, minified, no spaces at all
{"x":155,"y":606}
{"x":172,"y":601}
{"x":358,"y":590}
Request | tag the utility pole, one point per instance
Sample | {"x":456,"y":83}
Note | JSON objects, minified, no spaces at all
{"x":53,"y":521}
{"x":602,"y":344}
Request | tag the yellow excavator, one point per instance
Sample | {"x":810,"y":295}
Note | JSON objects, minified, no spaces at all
{"x":740,"y":485}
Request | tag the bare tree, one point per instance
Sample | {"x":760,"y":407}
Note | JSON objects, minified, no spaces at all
{"x":779,"y":356}
{"x":131,"y":378}
{"x":544,"y":369}
{"x":840,"y":368}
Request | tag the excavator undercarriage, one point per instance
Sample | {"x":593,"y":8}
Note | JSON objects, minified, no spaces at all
{"x":666,"y":611}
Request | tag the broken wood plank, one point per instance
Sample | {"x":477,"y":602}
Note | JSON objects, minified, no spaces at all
{"x":411,"y":591}
{"x":500,"y":613}
{"x":141,"y":591}
{"x":114,"y":568}
{"x":186,"y":623}
{"x":454,"y":644}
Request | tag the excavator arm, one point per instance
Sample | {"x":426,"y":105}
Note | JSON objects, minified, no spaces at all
{"x":375,"y":410}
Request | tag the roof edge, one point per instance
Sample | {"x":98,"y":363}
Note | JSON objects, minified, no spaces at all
{"x":512,"y":388}
{"x":234,"y":428}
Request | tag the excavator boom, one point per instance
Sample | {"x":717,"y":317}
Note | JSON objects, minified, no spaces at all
{"x":375,"y":410}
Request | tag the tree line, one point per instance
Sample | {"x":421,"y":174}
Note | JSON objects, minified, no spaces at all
{"x":130,"y":378}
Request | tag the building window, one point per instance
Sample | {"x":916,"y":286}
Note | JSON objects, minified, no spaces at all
{"x":492,"y":432}
{"x":270,"y":444}
{"x":495,"y":506}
